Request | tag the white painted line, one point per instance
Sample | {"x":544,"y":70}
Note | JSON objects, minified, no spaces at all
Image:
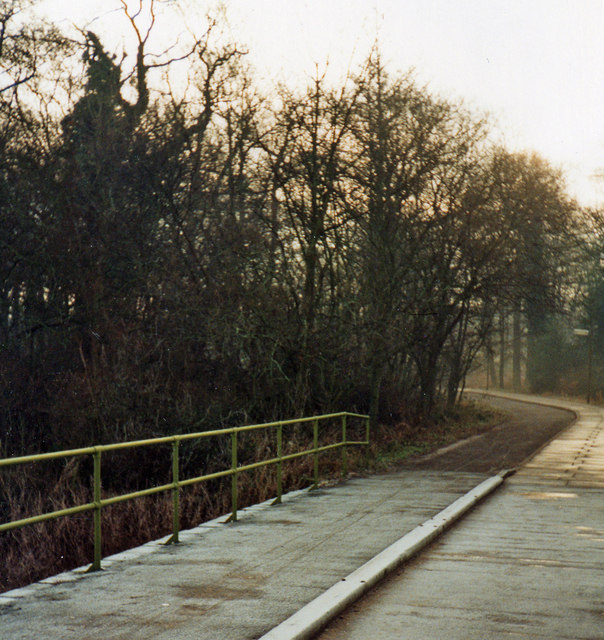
{"x":316,"y":614}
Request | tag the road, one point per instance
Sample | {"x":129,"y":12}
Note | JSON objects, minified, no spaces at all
{"x":525,"y":429}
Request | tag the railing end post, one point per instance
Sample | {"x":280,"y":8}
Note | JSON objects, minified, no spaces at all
{"x":97,"y":521}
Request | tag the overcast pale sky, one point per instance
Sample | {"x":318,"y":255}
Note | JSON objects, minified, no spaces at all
{"x":536,"y":65}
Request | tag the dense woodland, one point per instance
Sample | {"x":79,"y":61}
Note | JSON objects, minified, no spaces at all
{"x":181,"y":255}
{"x":181,"y":258}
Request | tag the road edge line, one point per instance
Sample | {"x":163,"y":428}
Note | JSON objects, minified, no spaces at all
{"x":311,"y":618}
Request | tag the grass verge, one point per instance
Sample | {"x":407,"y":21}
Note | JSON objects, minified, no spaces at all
{"x":393,"y":445}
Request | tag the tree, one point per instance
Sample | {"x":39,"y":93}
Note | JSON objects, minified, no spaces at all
{"x":421,"y":184}
{"x":308,"y":150}
{"x":25,"y":46}
{"x":539,"y":218}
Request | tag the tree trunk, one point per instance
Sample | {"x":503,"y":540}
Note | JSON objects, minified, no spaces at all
{"x":491,"y":377}
{"x":516,"y":352}
{"x":538,"y":373}
{"x":374,"y":395}
{"x":501,"y":350}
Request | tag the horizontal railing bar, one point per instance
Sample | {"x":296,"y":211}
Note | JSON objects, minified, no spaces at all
{"x":291,"y":456}
{"x":7,"y":526}
{"x":136,"y":494}
{"x":220,"y":432}
{"x":210,"y":476}
{"x":229,"y":472}
{"x":299,"y":454}
{"x":38,"y":457}
{"x":168,"y":439}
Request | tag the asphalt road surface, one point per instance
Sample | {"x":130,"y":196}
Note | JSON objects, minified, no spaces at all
{"x":526,"y":428}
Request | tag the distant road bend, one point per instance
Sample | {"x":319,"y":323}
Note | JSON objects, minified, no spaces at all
{"x":525,"y":429}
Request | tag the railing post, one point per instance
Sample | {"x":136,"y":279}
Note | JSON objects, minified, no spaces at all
{"x":96,"y":563}
{"x":175,"y":493}
{"x":279,"y":464}
{"x":234,"y":476}
{"x":315,"y":438}
{"x":367,"y":431}
{"x":344,"y":452}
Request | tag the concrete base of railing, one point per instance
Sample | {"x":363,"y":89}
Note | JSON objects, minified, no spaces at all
{"x":317,"y":613}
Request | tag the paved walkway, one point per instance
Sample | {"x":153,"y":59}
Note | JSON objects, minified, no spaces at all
{"x":527,"y":563}
{"x":233,"y":581}
{"x":240,"y":580}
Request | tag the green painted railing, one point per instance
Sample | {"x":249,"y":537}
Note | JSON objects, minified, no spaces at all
{"x":177,"y":483}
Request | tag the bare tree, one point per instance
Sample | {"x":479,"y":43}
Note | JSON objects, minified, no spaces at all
{"x":309,"y":154}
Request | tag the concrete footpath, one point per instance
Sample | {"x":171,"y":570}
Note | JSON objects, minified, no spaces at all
{"x":238,"y":580}
{"x":526,"y":563}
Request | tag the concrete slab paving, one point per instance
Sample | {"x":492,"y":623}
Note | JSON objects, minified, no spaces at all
{"x":528,"y":563}
{"x":522,"y":565}
{"x":311,"y":618}
{"x":235,"y":580}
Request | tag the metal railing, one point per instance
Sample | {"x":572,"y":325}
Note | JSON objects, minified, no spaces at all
{"x":98,"y":502}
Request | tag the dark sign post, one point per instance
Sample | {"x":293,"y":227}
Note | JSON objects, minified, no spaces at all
{"x":587,"y":333}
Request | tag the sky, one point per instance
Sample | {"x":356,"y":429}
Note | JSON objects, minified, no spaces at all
{"x":535,"y":66}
